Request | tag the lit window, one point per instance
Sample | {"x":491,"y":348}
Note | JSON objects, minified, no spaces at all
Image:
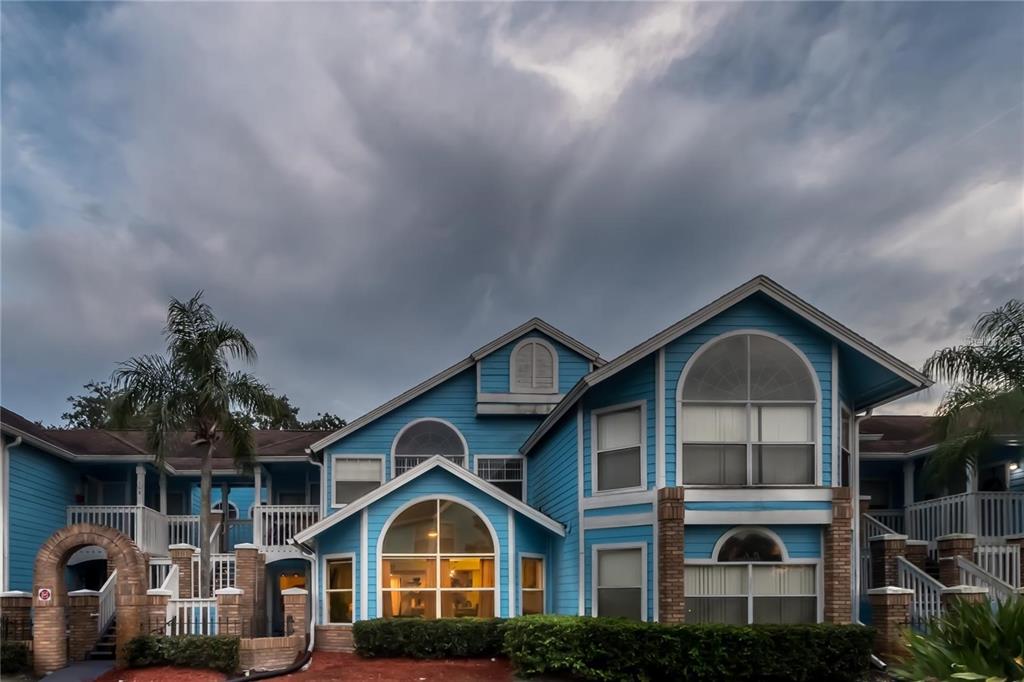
{"x":504,"y":472}
{"x":620,"y":580}
{"x":618,"y":450}
{"x":534,"y":368}
{"x":354,"y":477}
{"x":422,"y":440}
{"x":531,"y":593}
{"x":339,"y":590}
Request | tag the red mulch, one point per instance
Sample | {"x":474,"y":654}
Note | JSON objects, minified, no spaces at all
{"x":161,"y":674}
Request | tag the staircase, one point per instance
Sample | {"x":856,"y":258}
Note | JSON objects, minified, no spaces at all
{"x":106,"y":645}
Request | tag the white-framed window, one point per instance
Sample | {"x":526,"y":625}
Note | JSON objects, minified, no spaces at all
{"x":531,"y":590}
{"x":751,"y":580}
{"x":421,"y":439}
{"x":232,"y":509}
{"x":533,"y":367}
{"x":355,"y":476}
{"x":619,"y":450}
{"x":339,"y":588}
{"x":748,"y":413}
{"x":506,"y":472}
{"x":620,"y":580}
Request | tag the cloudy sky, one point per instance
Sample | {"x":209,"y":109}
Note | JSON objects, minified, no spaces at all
{"x":373,"y":191}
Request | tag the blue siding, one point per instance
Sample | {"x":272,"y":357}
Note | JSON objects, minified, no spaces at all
{"x":638,"y":534}
{"x":756,"y":312}
{"x":802,"y":541}
{"x":41,"y":487}
{"x":494,"y":369}
{"x":533,"y":539}
{"x":342,"y":538}
{"x":553,"y":489}
{"x":616,"y":511}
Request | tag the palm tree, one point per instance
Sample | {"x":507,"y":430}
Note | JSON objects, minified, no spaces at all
{"x":986,"y":398}
{"x":193,"y":392}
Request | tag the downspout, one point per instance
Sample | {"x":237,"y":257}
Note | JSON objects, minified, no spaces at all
{"x":855,"y":494}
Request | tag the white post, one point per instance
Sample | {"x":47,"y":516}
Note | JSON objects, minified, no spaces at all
{"x":140,"y":485}
{"x":257,"y":517}
{"x":163,"y":491}
{"x":908,"y":483}
{"x":972,"y":502}
{"x":270,"y":489}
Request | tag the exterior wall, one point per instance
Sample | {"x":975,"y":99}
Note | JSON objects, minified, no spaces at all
{"x":494,"y":369}
{"x":532,"y":539}
{"x":628,"y":534}
{"x":344,"y":538}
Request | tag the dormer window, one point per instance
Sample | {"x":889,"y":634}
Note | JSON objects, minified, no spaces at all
{"x":533,"y":367}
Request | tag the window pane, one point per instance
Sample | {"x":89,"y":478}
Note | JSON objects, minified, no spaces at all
{"x":784,"y":580}
{"x":715,"y":464}
{"x":782,"y":423}
{"x":339,"y":605}
{"x":750,"y":545}
{"x":524,"y":366}
{"x":409,"y":604}
{"x":346,"y":491}
{"x":618,"y":429}
{"x":776,"y":372}
{"x":783,"y":464}
{"x":543,"y":369}
{"x":357,"y":469}
{"x":618,"y":469}
{"x":513,"y":488}
{"x":715,"y":424}
{"x":468,"y":572}
{"x":533,"y":602}
{"x":715,"y":580}
{"x":621,"y":602}
{"x":414,"y":531}
{"x":339,"y":574}
{"x":408,"y":573}
{"x":720,"y":373}
{"x":619,"y":568}
{"x":785,"y":610}
{"x":429,"y":438}
{"x":462,"y":531}
{"x":468,"y":604}
{"x":533,"y":573}
{"x":729,"y":610}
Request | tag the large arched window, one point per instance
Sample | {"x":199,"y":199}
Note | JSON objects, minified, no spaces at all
{"x":437,"y":560}
{"x":751,"y":580}
{"x":424,"y":438}
{"x":748,"y":404}
{"x":533,"y":367}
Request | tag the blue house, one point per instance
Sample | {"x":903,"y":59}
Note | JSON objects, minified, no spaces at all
{"x":726,"y":469}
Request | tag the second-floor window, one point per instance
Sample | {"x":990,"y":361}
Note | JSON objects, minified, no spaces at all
{"x":534,"y":368}
{"x":422,"y":439}
{"x":618,"y":449}
{"x":748,"y":406}
{"x":504,"y":472}
{"x":356,"y":476}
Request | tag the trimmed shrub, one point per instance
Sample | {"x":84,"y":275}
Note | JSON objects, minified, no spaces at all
{"x":414,"y":638}
{"x":615,"y":649}
{"x":14,"y":657}
{"x":190,"y":651}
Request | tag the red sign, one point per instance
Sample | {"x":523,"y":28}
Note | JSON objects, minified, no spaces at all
{"x":45,"y":594}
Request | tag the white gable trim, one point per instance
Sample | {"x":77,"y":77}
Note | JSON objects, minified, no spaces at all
{"x":539,"y":325}
{"x":434,"y":462}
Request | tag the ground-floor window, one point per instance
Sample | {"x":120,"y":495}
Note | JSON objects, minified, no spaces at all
{"x":532,"y":591}
{"x":750,"y":581}
{"x":619,"y":582}
{"x":340,"y":590}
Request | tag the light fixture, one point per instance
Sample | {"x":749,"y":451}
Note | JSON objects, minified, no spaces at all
{"x":1014,"y":466}
{"x":432,"y":534}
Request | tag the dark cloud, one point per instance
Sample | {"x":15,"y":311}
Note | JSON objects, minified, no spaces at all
{"x":372,"y":191}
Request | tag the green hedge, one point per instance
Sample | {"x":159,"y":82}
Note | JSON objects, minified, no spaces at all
{"x":414,"y":638}
{"x":14,"y":657}
{"x":614,"y":649}
{"x":190,"y":651}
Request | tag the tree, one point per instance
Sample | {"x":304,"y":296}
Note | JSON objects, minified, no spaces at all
{"x":986,"y":398}
{"x":289,"y":419}
{"x":91,"y":410}
{"x":192,"y":392}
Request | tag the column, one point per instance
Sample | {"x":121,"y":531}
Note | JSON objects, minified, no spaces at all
{"x":671,"y":556}
{"x":257,"y":517}
{"x":156,"y":611}
{"x":229,"y":612}
{"x":17,"y":610}
{"x":838,"y":559}
{"x":917,"y":553}
{"x":163,"y":491}
{"x":890,"y":616}
{"x":140,"y":485}
{"x":950,"y":547}
{"x":181,"y":556}
{"x":82,"y":614}
{"x":246,"y":576}
{"x":884,"y":551}
{"x":295,"y":599}
{"x":908,"y":483}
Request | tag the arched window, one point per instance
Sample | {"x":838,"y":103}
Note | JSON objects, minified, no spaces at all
{"x":424,"y":438}
{"x":747,"y":412}
{"x":437,"y":560}
{"x":534,"y":367}
{"x":751,"y":581}
{"x":232,"y":509}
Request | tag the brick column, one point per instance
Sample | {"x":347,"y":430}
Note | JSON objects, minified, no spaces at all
{"x":181,"y":556}
{"x":864,"y":504}
{"x":950,"y":547}
{"x":17,"y":610}
{"x":246,"y":575}
{"x":1019,"y":541}
{"x":261,"y":591}
{"x":295,"y":599}
{"x":838,"y":558}
{"x":81,"y":610}
{"x":963,"y":593}
{"x":671,"y":513}
{"x":884,"y":550}
{"x":890,"y":616}
{"x":155,"y":618}
{"x":229,"y":612}
{"x":917,"y":553}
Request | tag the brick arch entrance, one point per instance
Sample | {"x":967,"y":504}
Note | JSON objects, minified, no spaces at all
{"x":48,"y":634}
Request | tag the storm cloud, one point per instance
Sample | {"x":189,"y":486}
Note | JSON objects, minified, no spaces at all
{"x":372,"y":191}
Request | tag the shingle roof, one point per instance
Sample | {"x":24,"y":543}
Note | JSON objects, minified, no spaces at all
{"x":901,"y":433}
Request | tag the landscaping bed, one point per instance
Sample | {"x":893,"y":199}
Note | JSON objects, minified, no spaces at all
{"x":161,"y":674}
{"x":353,"y":667}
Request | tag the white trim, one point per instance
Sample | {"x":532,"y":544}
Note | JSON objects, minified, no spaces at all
{"x":543,"y":580}
{"x":477,"y":458}
{"x":833,"y":438}
{"x":538,"y":325}
{"x":749,"y":517}
{"x":757,"y":529}
{"x":581,"y":548}
{"x":323,"y":586}
{"x":619,"y":499}
{"x":520,"y":398}
{"x":420,"y":420}
{"x":364,"y":563}
{"x":512,"y":571}
{"x":710,"y":343}
{"x":594,"y":549}
{"x":642,"y":427}
{"x":434,"y":462}
{"x":659,"y":421}
{"x":756,"y":494}
{"x":512,"y":388}
{"x":478,"y":381}
{"x":345,"y":455}
{"x":618,"y":521}
{"x":5,"y":509}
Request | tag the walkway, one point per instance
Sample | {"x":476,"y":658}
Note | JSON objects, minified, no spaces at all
{"x":83,"y":671}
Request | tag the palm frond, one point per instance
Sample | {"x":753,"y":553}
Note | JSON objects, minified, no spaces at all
{"x":239,"y":439}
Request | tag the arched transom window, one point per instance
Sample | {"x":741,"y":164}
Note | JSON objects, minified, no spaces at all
{"x":534,"y":367}
{"x":437,"y":560}
{"x":421,"y":440}
{"x":751,"y":580}
{"x":748,"y":405}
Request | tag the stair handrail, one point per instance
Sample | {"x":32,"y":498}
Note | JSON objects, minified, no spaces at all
{"x":873,"y":526}
{"x":973,"y":574}
{"x":107,"y":603}
{"x":927,"y":600}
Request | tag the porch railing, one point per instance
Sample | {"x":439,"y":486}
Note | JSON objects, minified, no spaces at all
{"x":196,"y":616}
{"x":872,"y":526}
{"x":274,"y":525}
{"x":107,"y":603}
{"x":159,"y":567}
{"x":222,"y":570}
{"x":927,"y":600}
{"x":147,"y":527}
{"x":985,"y":514}
{"x":183,"y":530}
{"x":891,"y":518}
{"x":972,"y":574}
{"x":1002,"y":561}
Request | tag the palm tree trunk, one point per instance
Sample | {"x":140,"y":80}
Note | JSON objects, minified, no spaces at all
{"x":205,"y":518}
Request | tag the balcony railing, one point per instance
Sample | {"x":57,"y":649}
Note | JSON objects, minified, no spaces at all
{"x":274,"y":525}
{"x":147,"y":527}
{"x":989,"y":515}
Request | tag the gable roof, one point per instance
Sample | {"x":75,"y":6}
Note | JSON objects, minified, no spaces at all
{"x":435,"y":462}
{"x":534,"y":324}
{"x":760,"y":284}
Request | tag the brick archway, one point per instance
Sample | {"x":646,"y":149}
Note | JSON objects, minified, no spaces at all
{"x":48,"y":634}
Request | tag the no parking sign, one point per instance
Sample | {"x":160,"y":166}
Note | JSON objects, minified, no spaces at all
{"x":45,"y":594}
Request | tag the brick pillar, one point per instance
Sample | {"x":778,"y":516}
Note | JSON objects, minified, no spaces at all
{"x":295,"y":599}
{"x":917,"y":553}
{"x":864,"y":504}
{"x":246,"y":576}
{"x":671,"y":513}
{"x":155,"y":618}
{"x":261,"y":592}
{"x":17,"y":610}
{"x":49,"y":646}
{"x":1019,"y":541}
{"x":181,"y":556}
{"x":890,"y":616}
{"x":950,"y":547}
{"x":81,"y":610}
{"x":229,"y":612}
{"x":970,"y":594}
{"x":838,"y":558}
{"x":884,"y":550}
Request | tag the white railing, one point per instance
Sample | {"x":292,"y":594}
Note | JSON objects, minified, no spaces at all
{"x":872,"y":526}
{"x":988,"y":515}
{"x":891,"y":518}
{"x":192,"y":616}
{"x":929,"y":519}
{"x":1002,"y":561}
{"x":170,"y":583}
{"x":183,"y":530}
{"x":153,"y":531}
{"x":974,"y":575}
{"x":927,"y":600}
{"x":159,"y":567}
{"x":999,"y":514}
{"x":274,"y":525}
{"x":222,"y":569}
{"x":147,"y":527}
{"x":107,"y":603}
